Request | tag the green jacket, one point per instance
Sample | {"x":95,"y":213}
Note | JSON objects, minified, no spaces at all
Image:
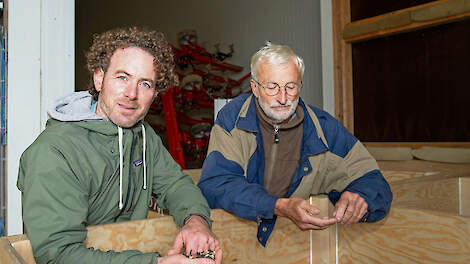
{"x":70,"y":178}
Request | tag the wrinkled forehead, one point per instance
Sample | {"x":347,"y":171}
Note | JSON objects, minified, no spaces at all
{"x":269,"y":70}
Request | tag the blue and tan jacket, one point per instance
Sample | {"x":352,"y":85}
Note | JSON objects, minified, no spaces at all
{"x":331,"y":161}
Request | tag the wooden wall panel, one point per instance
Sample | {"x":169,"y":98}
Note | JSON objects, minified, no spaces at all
{"x":407,"y":236}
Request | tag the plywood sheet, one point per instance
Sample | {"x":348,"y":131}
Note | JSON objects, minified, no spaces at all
{"x":407,"y":236}
{"x":440,"y":195}
{"x":453,"y":170}
{"x":428,"y":185}
{"x":287,"y":244}
{"x":8,"y":254}
{"x":23,"y":247}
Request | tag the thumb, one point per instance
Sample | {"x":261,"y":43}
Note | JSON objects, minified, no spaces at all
{"x":177,"y":245}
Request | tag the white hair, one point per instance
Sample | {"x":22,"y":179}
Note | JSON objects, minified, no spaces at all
{"x":275,"y":54}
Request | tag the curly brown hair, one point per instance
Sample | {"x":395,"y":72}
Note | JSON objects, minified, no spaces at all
{"x":154,"y":42}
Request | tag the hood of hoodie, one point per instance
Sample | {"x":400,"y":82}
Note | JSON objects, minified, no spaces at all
{"x":76,"y":107}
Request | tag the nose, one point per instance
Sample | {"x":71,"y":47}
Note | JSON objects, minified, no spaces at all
{"x":282,"y":96}
{"x":131,"y":91}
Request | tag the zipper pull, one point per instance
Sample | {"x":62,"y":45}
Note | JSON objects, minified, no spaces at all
{"x":276,"y":133}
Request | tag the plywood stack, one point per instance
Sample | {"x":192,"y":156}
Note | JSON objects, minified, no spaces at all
{"x":288,"y":244}
{"x":409,"y":234}
{"x":428,"y":185}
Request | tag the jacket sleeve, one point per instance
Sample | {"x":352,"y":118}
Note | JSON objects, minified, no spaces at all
{"x":223,"y":180}
{"x":55,"y":206}
{"x":361,"y":170}
{"x":175,"y":190}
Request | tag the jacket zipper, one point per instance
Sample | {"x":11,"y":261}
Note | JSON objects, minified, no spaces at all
{"x":276,"y":133}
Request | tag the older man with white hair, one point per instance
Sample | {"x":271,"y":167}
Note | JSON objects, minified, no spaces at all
{"x":269,"y":151}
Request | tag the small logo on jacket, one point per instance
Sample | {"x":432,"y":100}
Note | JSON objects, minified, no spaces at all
{"x":137,"y":163}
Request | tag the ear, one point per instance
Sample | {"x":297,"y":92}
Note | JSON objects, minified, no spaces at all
{"x":98,"y":77}
{"x":254,"y":88}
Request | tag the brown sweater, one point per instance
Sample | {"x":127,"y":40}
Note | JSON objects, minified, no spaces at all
{"x":281,"y":158}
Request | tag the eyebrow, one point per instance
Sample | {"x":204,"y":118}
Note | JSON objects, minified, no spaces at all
{"x":280,"y":85}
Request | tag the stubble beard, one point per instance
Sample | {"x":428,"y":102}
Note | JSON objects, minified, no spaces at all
{"x":279,"y":116}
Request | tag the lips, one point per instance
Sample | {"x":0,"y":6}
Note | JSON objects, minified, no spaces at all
{"x":281,"y":108}
{"x":127,"y":107}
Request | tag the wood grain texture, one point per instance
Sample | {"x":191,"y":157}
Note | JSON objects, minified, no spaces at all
{"x":23,"y":247}
{"x":287,"y":244}
{"x":8,"y":255}
{"x":342,"y":52}
{"x":416,"y":145}
{"x":413,"y":18}
{"x":425,"y":167}
{"x":427,"y":185}
{"x":407,"y":236}
{"x":440,"y":195}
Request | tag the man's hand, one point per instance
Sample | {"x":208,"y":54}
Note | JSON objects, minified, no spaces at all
{"x":302,"y":213}
{"x":196,"y":236}
{"x":180,"y":259}
{"x":350,"y":208}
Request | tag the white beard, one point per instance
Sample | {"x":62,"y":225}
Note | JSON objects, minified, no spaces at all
{"x":279,"y":116}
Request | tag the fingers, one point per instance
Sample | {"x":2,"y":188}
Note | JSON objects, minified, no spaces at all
{"x":202,"y":261}
{"x":341,"y":206}
{"x":197,"y":244}
{"x":218,"y":255}
{"x":350,"y":208}
{"x":177,"y":245}
{"x":321,"y":223}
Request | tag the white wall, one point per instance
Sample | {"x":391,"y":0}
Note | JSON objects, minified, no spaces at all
{"x":328,"y":84}
{"x":40,"y":68}
{"x":247,"y":24}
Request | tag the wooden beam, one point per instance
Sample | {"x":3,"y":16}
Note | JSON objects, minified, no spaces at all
{"x":464,"y":196}
{"x":407,"y":236}
{"x":8,"y":254}
{"x":416,"y":145}
{"x":409,"y":19}
{"x":344,"y":107}
{"x":395,"y":171}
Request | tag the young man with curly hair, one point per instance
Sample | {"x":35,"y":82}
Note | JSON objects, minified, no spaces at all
{"x":98,"y":162}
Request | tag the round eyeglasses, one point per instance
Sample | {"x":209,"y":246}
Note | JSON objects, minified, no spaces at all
{"x":272,"y":88}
